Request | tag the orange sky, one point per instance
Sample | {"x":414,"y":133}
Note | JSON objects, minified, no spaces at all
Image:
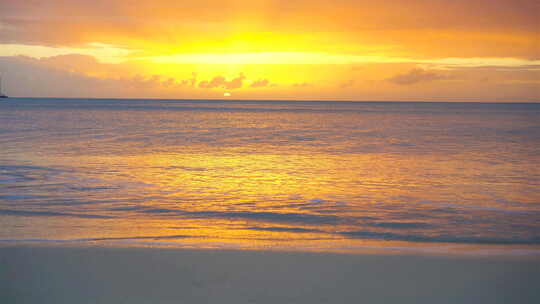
{"x":483,"y":50}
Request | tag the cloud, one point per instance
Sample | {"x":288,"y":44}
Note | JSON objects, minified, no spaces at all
{"x":415,"y":76}
{"x":524,"y":67}
{"x":189,"y":82}
{"x":260,"y":83}
{"x":29,"y":77}
{"x":236,"y":83}
{"x":216,"y":82}
{"x":83,"y":76}
{"x":77,"y":75}
{"x":221,"y":82}
{"x":64,"y":22}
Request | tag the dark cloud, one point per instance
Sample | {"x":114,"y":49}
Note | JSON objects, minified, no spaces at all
{"x":415,"y":76}
{"x":24,"y":76}
{"x":65,"y":76}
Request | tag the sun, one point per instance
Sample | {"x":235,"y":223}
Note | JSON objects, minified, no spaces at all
{"x":226,"y":94}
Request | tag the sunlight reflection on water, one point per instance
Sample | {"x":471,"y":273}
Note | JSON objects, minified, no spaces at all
{"x":270,"y":175}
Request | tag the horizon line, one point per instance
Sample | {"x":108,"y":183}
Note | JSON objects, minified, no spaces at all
{"x":283,"y":100}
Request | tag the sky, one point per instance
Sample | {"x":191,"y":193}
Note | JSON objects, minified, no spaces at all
{"x":414,"y":50}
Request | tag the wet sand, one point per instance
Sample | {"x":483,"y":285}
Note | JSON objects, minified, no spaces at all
{"x":156,"y":275}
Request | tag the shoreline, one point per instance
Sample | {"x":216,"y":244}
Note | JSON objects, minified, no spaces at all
{"x":91,"y":274}
{"x":379,"y":247}
{"x":454,"y":254}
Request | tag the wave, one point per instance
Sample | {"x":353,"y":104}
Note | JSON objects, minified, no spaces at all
{"x":97,"y":239}
{"x":261,"y":216}
{"x":51,"y":213}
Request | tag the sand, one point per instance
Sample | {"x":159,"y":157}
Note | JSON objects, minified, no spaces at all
{"x":156,"y":275}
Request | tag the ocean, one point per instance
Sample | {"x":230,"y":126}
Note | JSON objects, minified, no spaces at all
{"x":443,"y":178}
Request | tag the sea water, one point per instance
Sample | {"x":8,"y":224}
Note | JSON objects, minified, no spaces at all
{"x":271,"y":175}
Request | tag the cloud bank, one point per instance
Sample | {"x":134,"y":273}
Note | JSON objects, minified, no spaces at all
{"x":415,"y":76}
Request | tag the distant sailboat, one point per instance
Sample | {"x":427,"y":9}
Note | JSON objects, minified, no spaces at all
{"x":2,"y":94}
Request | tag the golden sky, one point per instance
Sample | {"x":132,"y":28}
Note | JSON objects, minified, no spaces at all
{"x":460,"y":50}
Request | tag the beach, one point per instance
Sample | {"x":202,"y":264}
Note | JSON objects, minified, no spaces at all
{"x":37,"y":274}
{"x":237,"y":152}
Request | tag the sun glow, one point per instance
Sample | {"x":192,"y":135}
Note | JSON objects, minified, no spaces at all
{"x":272,"y":58}
{"x":353,"y":50}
